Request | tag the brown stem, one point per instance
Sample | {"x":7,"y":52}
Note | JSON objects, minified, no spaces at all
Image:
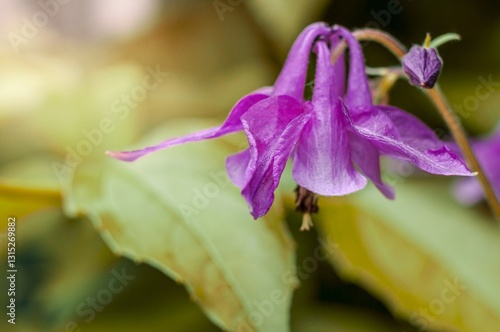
{"x":384,"y":39}
{"x":439,"y":100}
{"x":441,"y":103}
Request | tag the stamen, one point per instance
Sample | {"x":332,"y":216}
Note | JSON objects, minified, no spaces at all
{"x":307,"y":203}
{"x":306,"y":222}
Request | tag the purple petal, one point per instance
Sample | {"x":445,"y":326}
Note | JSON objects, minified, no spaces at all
{"x":358,"y":95}
{"x":488,"y":149}
{"x":399,"y":134}
{"x":367,"y":158}
{"x":469,"y":191}
{"x":423,"y":66}
{"x":230,"y":125}
{"x":411,"y":130}
{"x":239,"y":169}
{"x":339,"y":72}
{"x":272,"y":127}
{"x":338,"y":81}
{"x":322,"y":162}
{"x":292,"y":78}
{"x":488,"y":154}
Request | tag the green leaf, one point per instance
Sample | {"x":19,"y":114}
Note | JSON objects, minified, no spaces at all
{"x":177,"y":211}
{"x":429,"y":259}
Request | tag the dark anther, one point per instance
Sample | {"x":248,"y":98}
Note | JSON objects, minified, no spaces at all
{"x":307,"y":203}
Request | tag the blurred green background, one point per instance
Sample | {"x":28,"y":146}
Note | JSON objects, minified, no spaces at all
{"x":82,"y":71}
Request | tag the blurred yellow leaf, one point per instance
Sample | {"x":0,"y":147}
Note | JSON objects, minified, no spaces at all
{"x":177,"y":211}
{"x":19,"y":202}
{"x":27,"y":186}
{"x":430,"y":260}
{"x":70,"y":108}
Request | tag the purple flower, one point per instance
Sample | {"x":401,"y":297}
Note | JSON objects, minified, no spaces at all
{"x":272,"y":119}
{"x":322,"y":161}
{"x":469,"y":191}
{"x":375,"y":130}
{"x":423,"y":66}
{"x":327,"y":138}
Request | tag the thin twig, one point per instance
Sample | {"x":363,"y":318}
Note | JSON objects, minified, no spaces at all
{"x":439,"y":100}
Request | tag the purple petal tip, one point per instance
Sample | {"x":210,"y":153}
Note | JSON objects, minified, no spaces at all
{"x":123,"y":156}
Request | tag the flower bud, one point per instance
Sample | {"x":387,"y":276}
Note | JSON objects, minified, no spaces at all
{"x":422,"y":65}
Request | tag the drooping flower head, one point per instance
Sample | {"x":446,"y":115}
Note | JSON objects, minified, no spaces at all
{"x":335,"y":140}
{"x":322,"y":162}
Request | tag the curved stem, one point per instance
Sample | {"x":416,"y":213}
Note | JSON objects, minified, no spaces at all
{"x":391,"y":43}
{"x":384,"y":39}
{"x":439,"y":100}
{"x":441,"y":103}
{"x":443,"y":39}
